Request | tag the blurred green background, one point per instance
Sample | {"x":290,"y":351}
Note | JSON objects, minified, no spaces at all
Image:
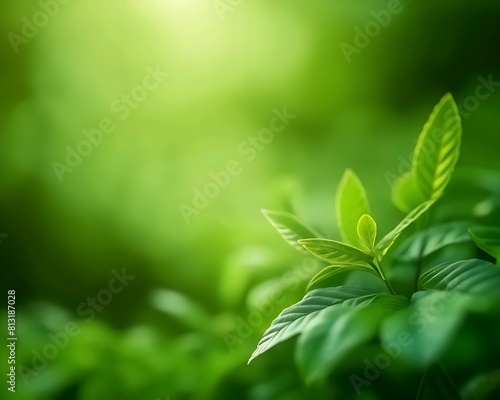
{"x":208,"y":281}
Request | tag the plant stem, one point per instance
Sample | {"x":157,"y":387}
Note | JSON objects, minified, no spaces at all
{"x":437,"y":373}
{"x":389,"y":286}
{"x":420,"y":262}
{"x":378,"y":268}
{"x":420,"y":392}
{"x":447,"y":380}
{"x":422,"y":224}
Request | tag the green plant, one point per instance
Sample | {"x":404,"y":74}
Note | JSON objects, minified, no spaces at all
{"x":407,"y":289}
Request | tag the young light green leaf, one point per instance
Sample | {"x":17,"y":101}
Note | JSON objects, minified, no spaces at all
{"x":334,"y":252}
{"x":335,"y":333}
{"x":388,"y":240}
{"x":294,"y":319}
{"x":333,"y":270}
{"x":436,"y":154}
{"x":289,"y":227}
{"x":351,"y":203}
{"x":431,"y":240}
{"x":487,"y":239}
{"x":474,"y":277}
{"x":438,"y":148}
{"x":367,"y":231}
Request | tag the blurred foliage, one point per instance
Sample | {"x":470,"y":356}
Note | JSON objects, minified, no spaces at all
{"x":119,"y":208}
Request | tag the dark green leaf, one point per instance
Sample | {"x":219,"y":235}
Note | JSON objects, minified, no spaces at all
{"x":423,"y":331}
{"x":334,"y":333}
{"x":433,"y":239}
{"x":487,"y":239}
{"x":294,"y":319}
{"x":474,"y":277}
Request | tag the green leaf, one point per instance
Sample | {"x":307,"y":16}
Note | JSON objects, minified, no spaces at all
{"x":423,"y":331}
{"x":335,"y":332}
{"x":351,"y":203}
{"x":487,"y":239}
{"x":289,"y":227}
{"x":406,"y":194}
{"x":367,"y":231}
{"x":333,"y":270}
{"x":388,"y":240}
{"x":335,"y":252}
{"x":474,"y":277}
{"x":431,"y":240}
{"x":434,"y":159}
{"x":294,"y":319}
